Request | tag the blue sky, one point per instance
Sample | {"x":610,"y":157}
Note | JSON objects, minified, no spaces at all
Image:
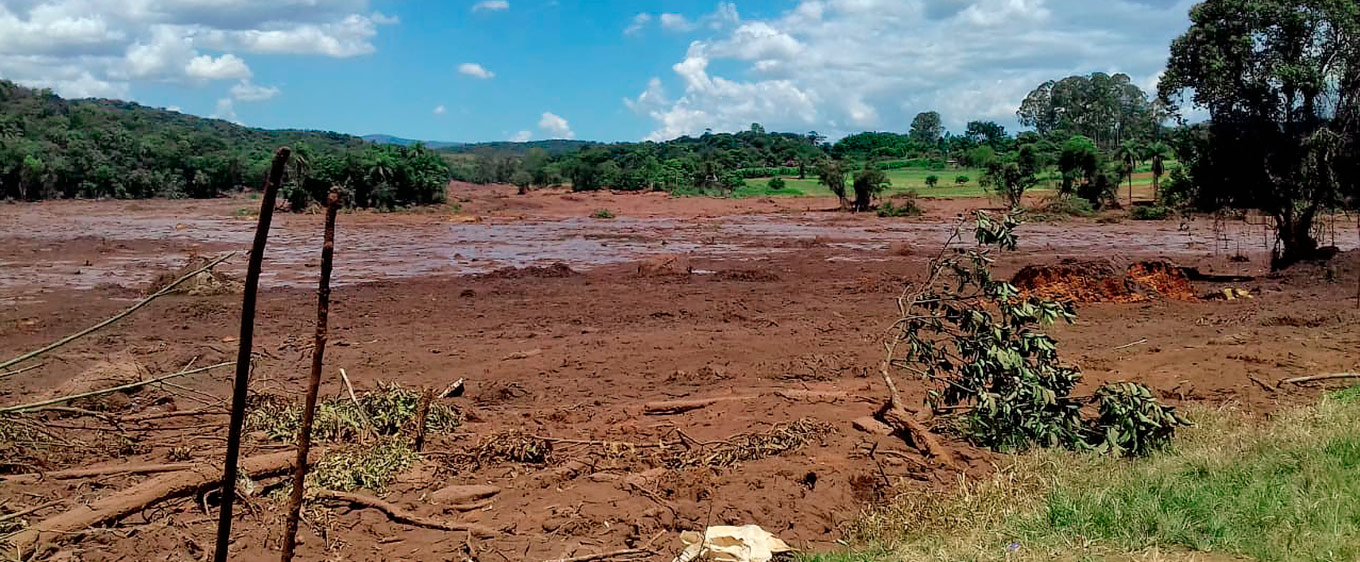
{"x":481,"y":70}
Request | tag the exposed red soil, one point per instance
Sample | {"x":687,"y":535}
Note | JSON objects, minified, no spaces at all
{"x":785,"y":329}
{"x":1102,"y":281}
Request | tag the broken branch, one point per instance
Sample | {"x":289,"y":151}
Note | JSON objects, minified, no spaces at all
{"x":87,"y":331}
{"x":402,"y":516}
{"x":119,"y":388}
{"x":1315,"y":378}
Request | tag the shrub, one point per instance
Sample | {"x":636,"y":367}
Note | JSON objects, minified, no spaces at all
{"x":776,"y":183}
{"x":1149,"y":213}
{"x":602,"y":214}
{"x":906,"y":207}
{"x":1070,"y":206}
{"x":932,"y":180}
{"x":962,"y":180}
{"x":979,"y":342}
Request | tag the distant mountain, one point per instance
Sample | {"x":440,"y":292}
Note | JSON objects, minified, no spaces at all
{"x":399,"y":141}
{"x":508,"y":148}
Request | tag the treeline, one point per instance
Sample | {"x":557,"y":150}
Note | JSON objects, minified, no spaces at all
{"x":52,"y":147}
{"x":1095,"y":130}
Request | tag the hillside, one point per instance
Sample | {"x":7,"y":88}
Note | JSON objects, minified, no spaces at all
{"x":52,"y":147}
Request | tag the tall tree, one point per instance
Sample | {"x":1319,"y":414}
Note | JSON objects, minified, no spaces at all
{"x":1280,"y":80}
{"x":1129,"y":154}
{"x":869,"y":182}
{"x":1158,"y":153}
{"x":1106,"y":108}
{"x":926,"y":128}
{"x":832,"y":175}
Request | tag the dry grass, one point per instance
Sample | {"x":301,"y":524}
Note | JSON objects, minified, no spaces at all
{"x":368,"y":466}
{"x":1232,"y":488}
{"x":747,"y":447}
{"x":382,"y":412}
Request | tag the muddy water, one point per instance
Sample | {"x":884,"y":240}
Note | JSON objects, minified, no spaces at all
{"x":84,"y":251}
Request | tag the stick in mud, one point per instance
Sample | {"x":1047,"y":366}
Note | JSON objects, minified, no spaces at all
{"x":238,"y":401}
{"x":304,"y":439}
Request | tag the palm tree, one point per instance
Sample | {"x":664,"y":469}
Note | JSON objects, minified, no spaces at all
{"x":1129,"y":153}
{"x":1159,"y":152}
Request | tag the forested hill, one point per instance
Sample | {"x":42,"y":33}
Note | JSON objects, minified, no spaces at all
{"x":52,"y":147}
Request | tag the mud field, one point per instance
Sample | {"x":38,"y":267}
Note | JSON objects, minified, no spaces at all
{"x":775,"y":306}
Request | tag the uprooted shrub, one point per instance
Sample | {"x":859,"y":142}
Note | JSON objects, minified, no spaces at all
{"x":363,"y":466}
{"x":382,"y":412}
{"x":979,"y":342}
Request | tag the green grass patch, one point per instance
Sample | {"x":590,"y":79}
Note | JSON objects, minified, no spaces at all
{"x":1231,"y":488}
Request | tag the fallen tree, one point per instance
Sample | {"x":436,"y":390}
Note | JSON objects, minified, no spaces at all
{"x":196,"y":480}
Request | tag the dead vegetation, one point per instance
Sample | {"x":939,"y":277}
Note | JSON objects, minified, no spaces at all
{"x":383,"y":412}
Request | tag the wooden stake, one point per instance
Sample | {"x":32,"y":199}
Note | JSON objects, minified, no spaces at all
{"x":423,"y":413}
{"x":238,"y":399}
{"x":304,"y":438}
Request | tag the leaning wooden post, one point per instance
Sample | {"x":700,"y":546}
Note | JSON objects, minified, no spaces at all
{"x":304,"y":437}
{"x":238,"y":397}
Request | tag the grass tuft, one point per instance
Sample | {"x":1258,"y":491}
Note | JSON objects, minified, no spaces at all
{"x":384,"y":411}
{"x":1229,"y":488}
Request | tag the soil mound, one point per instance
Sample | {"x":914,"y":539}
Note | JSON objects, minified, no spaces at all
{"x":554,"y":271}
{"x":203,"y":284}
{"x":1102,"y":281}
{"x":668,"y":265}
{"x":749,"y":275}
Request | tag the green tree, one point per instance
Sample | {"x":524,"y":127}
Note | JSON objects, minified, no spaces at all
{"x":522,"y":179}
{"x":1159,"y":153}
{"x":932,"y":180}
{"x":832,"y":175}
{"x":776,"y":183}
{"x":869,"y":182}
{"x":926,"y":128}
{"x":1129,"y":154}
{"x":1013,"y":174}
{"x":1281,"y":82}
{"x":1081,"y":162}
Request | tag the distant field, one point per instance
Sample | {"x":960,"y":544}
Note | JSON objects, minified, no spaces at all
{"x":904,"y":179}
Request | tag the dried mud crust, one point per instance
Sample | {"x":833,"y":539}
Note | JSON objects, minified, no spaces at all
{"x":574,"y":361}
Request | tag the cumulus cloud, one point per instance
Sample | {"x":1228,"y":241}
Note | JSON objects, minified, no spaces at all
{"x":247,"y":91}
{"x":491,"y":6}
{"x":521,"y":136}
{"x":475,"y":70}
{"x":555,"y":127}
{"x":228,"y":66}
{"x":841,"y":66}
{"x":106,"y":47}
{"x":440,"y":109}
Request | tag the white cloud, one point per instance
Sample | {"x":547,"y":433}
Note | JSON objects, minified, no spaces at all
{"x":106,"y":47}
{"x":639,"y":22}
{"x":228,"y":66}
{"x":226,"y":110}
{"x":675,"y":22}
{"x":248,"y":91}
{"x":555,"y":127}
{"x":724,"y":16}
{"x":522,"y":136}
{"x":841,"y":66}
{"x":491,"y":6}
{"x":475,"y":70}
{"x":440,"y":109}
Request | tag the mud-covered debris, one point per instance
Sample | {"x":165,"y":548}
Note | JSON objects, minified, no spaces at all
{"x":554,"y":271}
{"x":1102,"y":281}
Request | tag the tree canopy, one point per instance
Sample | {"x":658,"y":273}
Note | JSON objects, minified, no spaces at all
{"x":1281,"y":82}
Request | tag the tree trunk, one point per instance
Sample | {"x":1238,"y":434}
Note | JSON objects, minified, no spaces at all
{"x":1296,"y":240}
